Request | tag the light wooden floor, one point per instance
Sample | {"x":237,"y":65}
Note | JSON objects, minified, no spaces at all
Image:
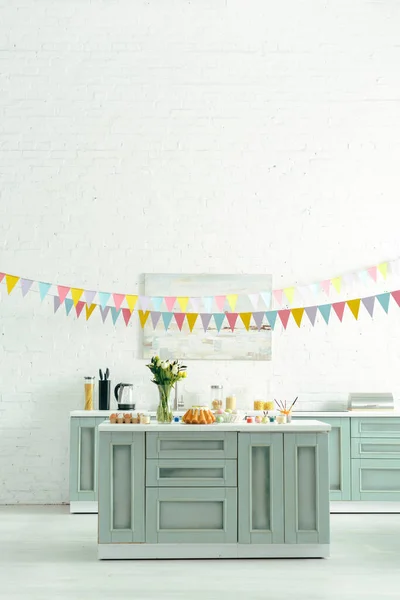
{"x":46,"y":553}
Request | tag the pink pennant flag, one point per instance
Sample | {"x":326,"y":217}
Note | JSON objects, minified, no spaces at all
{"x":126,"y":313}
{"x":62,"y":292}
{"x":284,"y":317}
{"x":326,"y":286}
{"x":169,"y":302}
{"x":220,"y":302}
{"x":373,"y":273}
{"x":278,"y":295}
{"x":396,"y":296}
{"x":79,"y":308}
{"x":232,"y":318}
{"x":339,"y":307}
{"x":118,"y":300}
{"x":179,"y":318}
{"x":2,"y":275}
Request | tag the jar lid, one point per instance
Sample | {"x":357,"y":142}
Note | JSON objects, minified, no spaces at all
{"x":217,"y":387}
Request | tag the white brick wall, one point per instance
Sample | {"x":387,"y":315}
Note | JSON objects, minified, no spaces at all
{"x":210,"y":136}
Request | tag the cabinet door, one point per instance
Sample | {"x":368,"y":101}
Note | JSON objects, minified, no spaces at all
{"x":83,"y":459}
{"x":121,"y":487}
{"x":260,"y":479}
{"x":306,"y":479}
{"x":374,"y":479}
{"x":191,"y":515}
{"x":339,"y":457}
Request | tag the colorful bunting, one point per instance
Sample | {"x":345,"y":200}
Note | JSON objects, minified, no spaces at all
{"x":62,"y":292}
{"x":254,"y":299}
{"x":104,"y":310}
{"x":179,"y":318}
{"x":43,"y":289}
{"x":26,"y":285}
{"x":196,"y":304}
{"x":69,"y":303}
{"x":76,"y":293}
{"x":127,"y":313}
{"x":155,"y":317}
{"x":89,"y":296}
{"x":115,"y":314}
{"x":118,"y":300}
{"x":383,"y":300}
{"x":220,"y":302}
{"x":167,"y":318}
{"x":373,"y":273}
{"x":284,"y":317}
{"x":143,"y":316}
{"x":232,"y":299}
{"x":396,"y":297}
{"x":208,"y":302}
{"x":170,"y":302}
{"x":205,"y":320}
{"x":157,"y":302}
{"x":219,"y":319}
{"x":191,"y":319}
{"x":232,"y":318}
{"x":271,"y":317}
{"x":354,"y":306}
{"x":266,"y":296}
{"x":144,"y":302}
{"x":246,"y":318}
{"x":289,"y":293}
{"x":278,"y":295}
{"x":383,"y":269}
{"x":2,"y":275}
{"x":337,"y":283}
{"x":57,"y":303}
{"x":258,"y":319}
{"x":339,"y":307}
{"x":11,"y":282}
{"x":79,"y":307}
{"x":311,"y":312}
{"x":89,"y":310}
{"x":297,"y":314}
{"x":326,"y":286}
{"x":131,"y":301}
{"x":369,"y":304}
{"x":183,"y":301}
{"x":325,"y":310}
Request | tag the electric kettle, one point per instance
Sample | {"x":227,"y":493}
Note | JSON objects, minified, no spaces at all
{"x":123,"y":393}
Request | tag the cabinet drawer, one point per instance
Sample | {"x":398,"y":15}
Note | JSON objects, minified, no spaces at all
{"x":376,"y":427}
{"x":194,"y":444}
{"x":191,"y":515}
{"x":170,"y":472}
{"x":375,"y":447}
{"x":374,"y":479}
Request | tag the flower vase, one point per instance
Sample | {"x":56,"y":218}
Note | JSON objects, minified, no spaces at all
{"x":164,"y":411}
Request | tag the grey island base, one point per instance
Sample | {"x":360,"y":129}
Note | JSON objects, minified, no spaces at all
{"x":217,"y":491}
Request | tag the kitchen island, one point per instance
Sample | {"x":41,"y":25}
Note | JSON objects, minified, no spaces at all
{"x":215,"y":491}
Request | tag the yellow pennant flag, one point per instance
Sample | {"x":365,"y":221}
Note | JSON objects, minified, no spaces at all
{"x":143,"y":316}
{"x":297,"y":314}
{"x":354,"y":306}
{"x":232,"y":299}
{"x":131,"y":301}
{"x":289,"y":293}
{"x":246,"y":318}
{"x":11,"y":282}
{"x":337,"y":283}
{"x":76,"y":294}
{"x":383,"y":269}
{"x":183,"y":302}
{"x":191,"y":319}
{"x":89,"y":310}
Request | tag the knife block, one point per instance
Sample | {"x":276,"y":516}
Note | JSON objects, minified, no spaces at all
{"x":104,"y":394}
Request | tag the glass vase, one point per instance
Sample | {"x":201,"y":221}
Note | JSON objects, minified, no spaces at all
{"x":164,"y":411}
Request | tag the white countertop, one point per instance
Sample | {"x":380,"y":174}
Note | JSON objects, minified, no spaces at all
{"x":293,"y":427}
{"x":319,"y":414}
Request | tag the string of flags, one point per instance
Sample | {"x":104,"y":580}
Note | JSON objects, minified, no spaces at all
{"x":222,"y":320}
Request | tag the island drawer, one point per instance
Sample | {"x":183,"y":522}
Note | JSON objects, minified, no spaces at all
{"x":372,"y":427}
{"x":375,"y":447}
{"x":192,"y":444}
{"x":192,"y":472}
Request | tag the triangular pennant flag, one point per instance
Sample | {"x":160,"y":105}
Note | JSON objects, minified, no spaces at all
{"x":68,"y":305}
{"x":278,"y":295}
{"x":246,"y":318}
{"x":311,"y":312}
{"x":127,"y":313}
{"x":232,"y":299}
{"x":62,"y":292}
{"x":205,"y":319}
{"x":219,"y":319}
{"x":220,"y":302}
{"x":191,"y":319}
{"x":76,"y":293}
{"x":284,"y":317}
{"x":208,"y":302}
{"x":383,"y":269}
{"x":167,"y":317}
{"x":363,"y":276}
{"x":89,"y":296}
{"x":104,"y":298}
{"x":369,"y":304}
{"x":2,"y":275}
{"x":254,"y":299}
{"x":43,"y":289}
{"x":179,"y":318}
{"x":89,"y":310}
{"x":131,"y":301}
{"x":325,"y":310}
{"x":373,"y":273}
{"x":57,"y":303}
{"x":297,"y":314}
{"x":258,"y":319}
{"x":144,"y":302}
{"x":79,"y":307}
{"x":337,"y":283}
{"x":169,"y":302}
{"x":266,"y":296}
{"x":354,"y":306}
{"x":104,"y":310}
{"x":155,"y":317}
{"x":304,"y":292}
{"x":271,"y":317}
{"x":326,"y":286}
{"x":26,"y":285}
{"x":157,"y":302}
{"x":11,"y":282}
{"x":289,"y":293}
{"x":118,"y":300}
{"x":183,"y":301}
{"x":348,"y":278}
{"x":196,"y":303}
{"x":115,"y":314}
{"x":396,"y":296}
{"x":232,"y":318}
{"x":143,"y":316}
{"x":315,"y":288}
{"x":383,"y":300}
{"x":339,"y":307}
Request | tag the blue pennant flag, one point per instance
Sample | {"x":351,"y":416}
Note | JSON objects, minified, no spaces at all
{"x":325,"y":310}
{"x":104,"y":298}
{"x":271,"y":317}
{"x":167,"y":317}
{"x":219,"y":319}
{"x":68,"y":305}
{"x":43,"y":289}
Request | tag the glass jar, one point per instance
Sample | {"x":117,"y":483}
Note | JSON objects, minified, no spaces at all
{"x":230,"y":403}
{"x":89,"y":393}
{"x":258,"y":404}
{"x":217,"y":396}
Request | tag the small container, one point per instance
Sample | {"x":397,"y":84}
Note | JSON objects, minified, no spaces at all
{"x":144,"y":419}
{"x":258,"y":404}
{"x":249,"y":420}
{"x":269,"y":405}
{"x":89,"y":393}
{"x":288,"y":417}
{"x":176,"y":419}
{"x":272,"y":419}
{"x":281,"y":419}
{"x":230,"y":403}
{"x":258,"y":419}
{"x":217,"y":396}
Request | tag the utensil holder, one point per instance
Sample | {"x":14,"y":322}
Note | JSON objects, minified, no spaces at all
{"x":104,"y":394}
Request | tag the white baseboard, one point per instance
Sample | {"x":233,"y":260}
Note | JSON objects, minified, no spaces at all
{"x":79,"y":506}
{"x":356,"y":506}
{"x":184,"y":551}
